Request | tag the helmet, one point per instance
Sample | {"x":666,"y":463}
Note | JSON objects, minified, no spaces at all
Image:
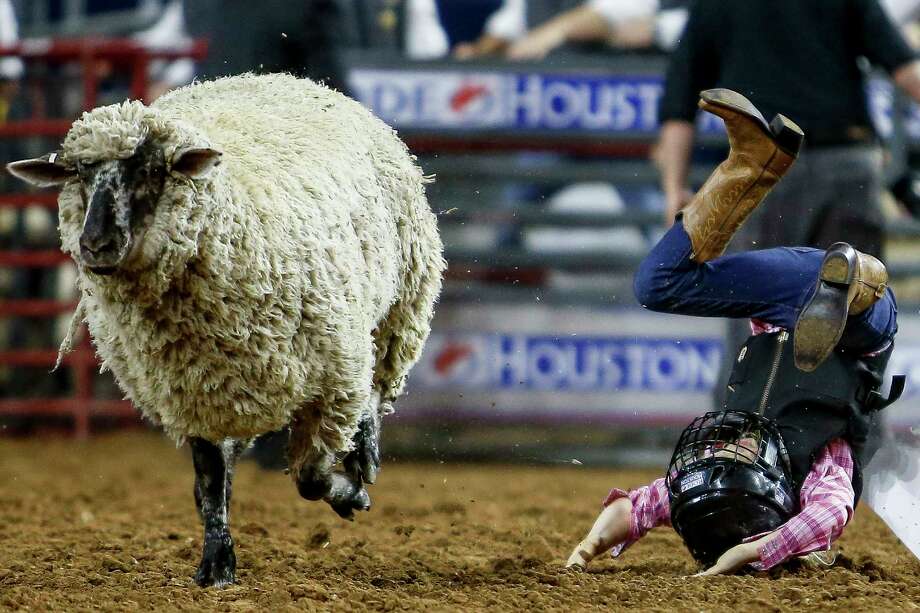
{"x":729,"y":479}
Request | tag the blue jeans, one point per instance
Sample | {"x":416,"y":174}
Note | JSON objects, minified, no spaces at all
{"x":771,"y":285}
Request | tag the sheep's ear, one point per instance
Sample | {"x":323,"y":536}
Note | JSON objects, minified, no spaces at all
{"x":42,"y":172}
{"x":196,"y":163}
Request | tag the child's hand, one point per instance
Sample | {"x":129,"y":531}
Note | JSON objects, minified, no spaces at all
{"x":579,"y":558}
{"x":736,"y":557}
{"x":732,"y":560}
{"x":610,"y":527}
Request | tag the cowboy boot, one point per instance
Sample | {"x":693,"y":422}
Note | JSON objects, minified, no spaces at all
{"x":849,"y":282}
{"x":760,"y":154}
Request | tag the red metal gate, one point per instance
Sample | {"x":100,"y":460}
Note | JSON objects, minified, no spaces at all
{"x":127,"y":57}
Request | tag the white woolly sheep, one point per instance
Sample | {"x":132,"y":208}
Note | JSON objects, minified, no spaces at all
{"x":254,"y":252}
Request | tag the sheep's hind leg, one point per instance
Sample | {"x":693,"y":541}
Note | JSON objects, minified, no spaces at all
{"x":344,"y":493}
{"x":213,"y":477}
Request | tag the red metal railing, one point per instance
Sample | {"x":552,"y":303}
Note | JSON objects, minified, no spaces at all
{"x":125,"y":56}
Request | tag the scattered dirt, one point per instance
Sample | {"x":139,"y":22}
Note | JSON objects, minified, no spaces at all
{"x":111,"y":524}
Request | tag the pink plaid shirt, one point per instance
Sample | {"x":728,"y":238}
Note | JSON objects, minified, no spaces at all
{"x":826,"y":500}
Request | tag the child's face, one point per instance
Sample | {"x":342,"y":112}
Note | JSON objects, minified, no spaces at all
{"x":745,"y":449}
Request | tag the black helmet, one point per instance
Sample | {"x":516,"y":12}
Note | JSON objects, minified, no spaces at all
{"x":729,"y":479}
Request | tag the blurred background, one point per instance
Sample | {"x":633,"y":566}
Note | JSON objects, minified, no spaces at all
{"x":539,"y":120}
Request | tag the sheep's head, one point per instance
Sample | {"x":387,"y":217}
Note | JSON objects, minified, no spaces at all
{"x":121,"y":169}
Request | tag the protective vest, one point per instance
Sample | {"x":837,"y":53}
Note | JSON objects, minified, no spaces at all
{"x":838,"y":399}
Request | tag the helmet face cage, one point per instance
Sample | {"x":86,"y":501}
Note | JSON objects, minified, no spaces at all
{"x":731,"y":437}
{"x":728,"y":479}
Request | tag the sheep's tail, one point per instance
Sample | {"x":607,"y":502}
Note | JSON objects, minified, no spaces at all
{"x":72,"y":330}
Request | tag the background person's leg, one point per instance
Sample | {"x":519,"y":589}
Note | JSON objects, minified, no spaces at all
{"x":849,"y":208}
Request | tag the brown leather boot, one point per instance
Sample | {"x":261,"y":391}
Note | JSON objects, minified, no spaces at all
{"x":760,"y":155}
{"x":849,"y":283}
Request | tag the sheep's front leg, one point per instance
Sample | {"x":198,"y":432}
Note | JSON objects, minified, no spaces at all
{"x":213,"y":476}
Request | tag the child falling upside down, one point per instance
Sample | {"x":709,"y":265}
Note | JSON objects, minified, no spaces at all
{"x":777,"y":473}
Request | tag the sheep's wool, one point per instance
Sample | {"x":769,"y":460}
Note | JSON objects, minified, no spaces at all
{"x":296,"y":279}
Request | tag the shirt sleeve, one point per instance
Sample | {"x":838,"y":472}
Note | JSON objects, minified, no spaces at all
{"x":879,"y":40}
{"x":826,"y":499}
{"x":650,"y":508}
{"x":509,"y":22}
{"x":694,"y":65}
{"x":669,"y":25}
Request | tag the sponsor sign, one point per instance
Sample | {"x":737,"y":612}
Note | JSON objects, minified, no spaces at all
{"x":541,"y":362}
{"x":575,"y":363}
{"x":439,"y":99}
{"x":433,"y":99}
{"x":619,"y":365}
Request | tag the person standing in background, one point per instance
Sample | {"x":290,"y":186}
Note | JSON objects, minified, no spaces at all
{"x":766,"y":49}
{"x":812,"y":48}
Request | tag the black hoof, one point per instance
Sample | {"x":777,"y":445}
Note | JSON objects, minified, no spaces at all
{"x":347,"y":495}
{"x":218,"y":565}
{"x":313,"y":486}
{"x":360,"y":500}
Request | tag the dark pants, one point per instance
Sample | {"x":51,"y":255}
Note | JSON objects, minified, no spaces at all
{"x":771,"y":285}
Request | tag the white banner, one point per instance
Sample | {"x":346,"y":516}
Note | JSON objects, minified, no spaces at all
{"x":622,"y":365}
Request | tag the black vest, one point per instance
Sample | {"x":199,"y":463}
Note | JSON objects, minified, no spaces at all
{"x":838,"y":399}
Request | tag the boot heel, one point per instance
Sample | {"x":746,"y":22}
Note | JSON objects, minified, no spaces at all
{"x":839,"y":265}
{"x":820,"y":324}
{"x":787,"y":134}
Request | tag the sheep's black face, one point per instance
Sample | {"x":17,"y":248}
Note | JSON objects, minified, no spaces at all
{"x":120,"y":198}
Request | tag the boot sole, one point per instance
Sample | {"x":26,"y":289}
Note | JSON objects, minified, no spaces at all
{"x":820,"y":324}
{"x":787,"y":135}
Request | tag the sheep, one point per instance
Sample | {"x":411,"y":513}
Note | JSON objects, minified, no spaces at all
{"x":253,"y":252}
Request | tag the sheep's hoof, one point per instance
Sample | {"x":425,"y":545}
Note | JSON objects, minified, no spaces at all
{"x":347,"y":495}
{"x":343,"y":491}
{"x":360,"y":500}
{"x":218,"y":565}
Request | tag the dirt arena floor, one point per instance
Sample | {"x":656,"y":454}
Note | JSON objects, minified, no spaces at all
{"x":111,"y":525}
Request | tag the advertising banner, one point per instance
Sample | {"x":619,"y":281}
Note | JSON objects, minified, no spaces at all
{"x":429,"y":98}
{"x":624,"y":365}
{"x":454,"y":99}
